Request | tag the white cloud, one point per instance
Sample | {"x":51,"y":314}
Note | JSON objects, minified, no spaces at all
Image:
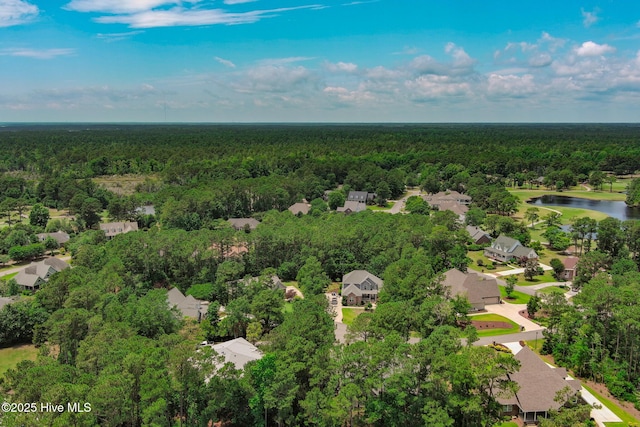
{"x":511,"y":85}
{"x":275,"y":79}
{"x":589,"y":18}
{"x":590,"y":48}
{"x":462,"y":63}
{"x":541,"y":59}
{"x":238,"y":1}
{"x":37,"y":53}
{"x":171,"y":13}
{"x":113,"y":37}
{"x":16,"y":12}
{"x":286,"y":60}
{"x":225,"y":62}
{"x":350,"y":96}
{"x":431,"y":87}
{"x":342,"y":67}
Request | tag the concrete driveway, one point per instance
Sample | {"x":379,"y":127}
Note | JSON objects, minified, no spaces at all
{"x":511,"y":312}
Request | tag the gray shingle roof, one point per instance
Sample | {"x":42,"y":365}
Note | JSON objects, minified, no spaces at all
{"x":476,"y":288}
{"x":239,"y":223}
{"x":237,"y":351}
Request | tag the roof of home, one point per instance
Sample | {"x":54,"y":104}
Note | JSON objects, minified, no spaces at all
{"x":297,"y":208}
{"x":39,"y":271}
{"x":570,"y":263}
{"x":352,"y":206}
{"x":188,"y":306}
{"x":447,"y":195}
{"x":114,"y":228}
{"x":59,"y":236}
{"x":454,"y":207}
{"x":240,"y":223}
{"x":476,"y":232}
{"x":510,"y":246}
{"x":538,"y":383}
{"x":361,"y":276}
{"x":475,"y":287}
{"x":238,"y":351}
{"x":360,"y":196}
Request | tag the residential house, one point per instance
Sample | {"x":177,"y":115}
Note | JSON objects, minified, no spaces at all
{"x":478,"y":235}
{"x":238,"y":351}
{"x":570,"y":264}
{"x":480,"y":291}
{"x":361,"y":196}
{"x":505,"y":248}
{"x":360,"y":287}
{"x":447,"y":197}
{"x":300,"y":208}
{"x":538,"y":384}
{"x":351,"y":207}
{"x":274,"y":283}
{"x":59,"y":236}
{"x":37,"y":274}
{"x":112,"y":229}
{"x":187,"y":305}
{"x":244,"y":223}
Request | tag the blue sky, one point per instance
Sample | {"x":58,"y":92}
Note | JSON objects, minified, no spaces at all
{"x":319,"y":61}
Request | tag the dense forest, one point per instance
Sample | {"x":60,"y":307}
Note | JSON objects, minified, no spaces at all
{"x":107,"y":336}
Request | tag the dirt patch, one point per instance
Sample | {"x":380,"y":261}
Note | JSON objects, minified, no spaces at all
{"x":484,"y":325}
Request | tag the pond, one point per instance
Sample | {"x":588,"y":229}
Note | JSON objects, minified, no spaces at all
{"x":613,"y":208}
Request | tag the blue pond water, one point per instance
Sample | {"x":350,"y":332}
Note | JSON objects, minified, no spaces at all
{"x":615,"y":209}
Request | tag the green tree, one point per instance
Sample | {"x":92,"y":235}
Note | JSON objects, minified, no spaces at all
{"x":254,"y":332}
{"x":511,"y":284}
{"x":382,"y":193}
{"x":633,"y":193}
{"x":336,"y":199}
{"x":531,"y":268}
{"x":558,"y":268}
{"x":312,"y":278}
{"x":533,"y":305}
{"x":89,"y":212}
{"x":532,"y":215}
{"x":475,"y":216}
{"x":417,"y":205}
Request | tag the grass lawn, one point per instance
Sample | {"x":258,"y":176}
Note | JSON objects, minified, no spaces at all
{"x":547,"y":277}
{"x":518,"y":297}
{"x":495,"y":318}
{"x":476,"y":255}
{"x":552,"y":290}
{"x":349,"y":314}
{"x":506,"y":424}
{"x":10,"y":357}
{"x":9,"y":276}
{"x":389,"y":205}
{"x":536,"y":345}
{"x":580,"y":192}
{"x":624,"y":416}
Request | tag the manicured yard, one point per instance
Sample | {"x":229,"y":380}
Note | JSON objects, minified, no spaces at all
{"x":495,"y":318}
{"x":506,"y":424}
{"x":10,"y":357}
{"x":389,"y":205}
{"x":349,"y":314}
{"x":547,"y":277}
{"x":476,"y":255}
{"x":624,"y":416}
{"x":288,"y":307}
{"x":518,"y":297}
{"x":536,"y":345}
{"x":524,"y":195}
{"x":9,"y":276}
{"x":552,"y":290}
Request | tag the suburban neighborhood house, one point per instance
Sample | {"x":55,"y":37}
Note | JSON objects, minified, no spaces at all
{"x":505,"y":248}
{"x":351,"y":207}
{"x":244,"y":223}
{"x":59,"y":236}
{"x":539,"y":384}
{"x":299,"y":208}
{"x":447,"y":197}
{"x":112,"y":229}
{"x":188,"y":306}
{"x":361,"y":196}
{"x":238,"y":351}
{"x":360,"y":287}
{"x":478,"y":235}
{"x":36,"y":274}
{"x":570,"y":264}
{"x":479,"y":291}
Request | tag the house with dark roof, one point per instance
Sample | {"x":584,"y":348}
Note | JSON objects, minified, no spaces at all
{"x":37,"y":274}
{"x":505,"y":248}
{"x":300,"y":208}
{"x":361,"y":196}
{"x":480,"y":291}
{"x":244,"y":223}
{"x":59,"y":236}
{"x":478,"y":235}
{"x":538,"y":384}
{"x":360,"y":287}
{"x":187,"y":305}
{"x":112,"y":229}
{"x":352,"y":207}
{"x":570,"y":264}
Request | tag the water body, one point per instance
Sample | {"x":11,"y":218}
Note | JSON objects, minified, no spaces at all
{"x":615,"y":209}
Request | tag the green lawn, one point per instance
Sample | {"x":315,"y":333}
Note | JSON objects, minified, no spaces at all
{"x":624,"y":416}
{"x":389,"y":205}
{"x":495,"y":318}
{"x":506,"y":424}
{"x":476,"y":255}
{"x":552,"y":290}
{"x":518,"y":297}
{"x":536,"y":345}
{"x":349,"y":314}
{"x":547,"y":277}
{"x":524,"y":195}
{"x":9,"y":276}
{"x":10,"y":357}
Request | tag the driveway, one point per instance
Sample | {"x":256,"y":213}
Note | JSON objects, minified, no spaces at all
{"x":600,"y":415}
{"x":511,"y":312}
